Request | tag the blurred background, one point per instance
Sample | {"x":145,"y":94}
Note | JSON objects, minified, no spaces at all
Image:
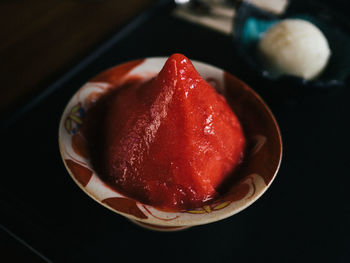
{"x":43,"y":39}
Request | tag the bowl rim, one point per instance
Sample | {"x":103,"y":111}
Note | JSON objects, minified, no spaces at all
{"x":150,"y":220}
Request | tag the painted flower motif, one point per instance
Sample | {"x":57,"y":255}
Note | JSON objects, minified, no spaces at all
{"x":209,"y":208}
{"x":125,"y":205}
{"x":75,"y":119}
{"x":237,"y":192}
{"x":80,"y":172}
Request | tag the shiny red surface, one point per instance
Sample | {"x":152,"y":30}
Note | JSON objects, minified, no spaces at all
{"x":170,"y":142}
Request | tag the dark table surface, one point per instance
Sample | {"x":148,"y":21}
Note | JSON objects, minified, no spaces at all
{"x":304,"y":216}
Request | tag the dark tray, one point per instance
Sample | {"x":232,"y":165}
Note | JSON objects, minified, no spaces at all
{"x":303,"y":216}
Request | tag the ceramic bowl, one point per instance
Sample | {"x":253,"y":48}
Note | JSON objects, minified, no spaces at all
{"x":259,"y":168}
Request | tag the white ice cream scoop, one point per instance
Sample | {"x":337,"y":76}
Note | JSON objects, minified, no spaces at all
{"x":294,"y":47}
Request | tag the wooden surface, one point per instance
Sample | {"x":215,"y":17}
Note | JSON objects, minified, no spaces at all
{"x":42,"y":39}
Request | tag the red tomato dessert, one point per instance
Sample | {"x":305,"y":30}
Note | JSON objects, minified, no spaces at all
{"x":170,"y":142}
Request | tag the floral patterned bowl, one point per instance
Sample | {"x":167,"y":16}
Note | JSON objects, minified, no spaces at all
{"x":261,"y":163}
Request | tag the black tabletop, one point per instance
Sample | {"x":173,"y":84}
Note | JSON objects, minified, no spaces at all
{"x":304,"y":216}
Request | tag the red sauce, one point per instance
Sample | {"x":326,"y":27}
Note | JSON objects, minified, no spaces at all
{"x":168,"y":142}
